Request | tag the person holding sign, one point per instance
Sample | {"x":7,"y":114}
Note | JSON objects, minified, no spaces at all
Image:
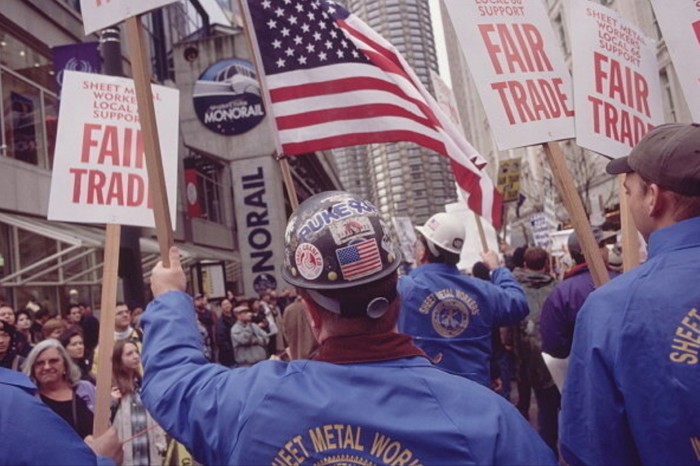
{"x":631,"y":392}
{"x":450,"y":315}
{"x":368,"y":397}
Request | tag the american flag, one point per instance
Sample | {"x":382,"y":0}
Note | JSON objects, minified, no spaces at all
{"x":334,"y":82}
{"x":359,"y":260}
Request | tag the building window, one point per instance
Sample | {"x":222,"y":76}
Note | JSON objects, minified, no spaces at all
{"x":28,"y":109}
{"x":209,"y":175}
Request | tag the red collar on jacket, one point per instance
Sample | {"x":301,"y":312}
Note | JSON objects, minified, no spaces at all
{"x":367,"y":348}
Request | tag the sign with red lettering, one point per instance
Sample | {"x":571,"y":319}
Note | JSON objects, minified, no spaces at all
{"x":617,"y":94}
{"x":680,"y":26}
{"x":99,"y":170}
{"x":518,"y":68}
{"x":446,"y":99}
{"x":99,"y":14}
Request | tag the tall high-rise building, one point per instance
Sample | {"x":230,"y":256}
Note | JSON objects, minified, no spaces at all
{"x":402,"y":179}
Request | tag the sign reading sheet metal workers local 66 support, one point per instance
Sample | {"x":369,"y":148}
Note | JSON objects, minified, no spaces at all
{"x":99,"y":14}
{"x":99,"y":170}
{"x":617,"y":92}
{"x":680,"y":26}
{"x":518,"y":68}
{"x":261,"y":220}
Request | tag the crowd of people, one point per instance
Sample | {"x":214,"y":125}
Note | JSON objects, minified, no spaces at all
{"x":59,"y":356}
{"x":359,"y":365}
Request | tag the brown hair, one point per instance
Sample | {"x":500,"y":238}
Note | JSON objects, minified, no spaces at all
{"x":53,"y":324}
{"x":535,"y":258}
{"x":123,"y":378}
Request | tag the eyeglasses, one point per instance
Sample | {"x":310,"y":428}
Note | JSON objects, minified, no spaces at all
{"x":51,"y":362}
{"x":122,"y":312}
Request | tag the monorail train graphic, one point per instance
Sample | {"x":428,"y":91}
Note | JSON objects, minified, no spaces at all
{"x":234,"y":79}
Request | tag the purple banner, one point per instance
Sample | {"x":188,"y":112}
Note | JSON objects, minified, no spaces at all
{"x":83,"y":57}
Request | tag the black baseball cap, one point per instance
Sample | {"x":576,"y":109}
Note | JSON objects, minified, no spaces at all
{"x":668,"y":155}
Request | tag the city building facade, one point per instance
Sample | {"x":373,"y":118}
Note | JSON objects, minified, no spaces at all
{"x":53,"y":263}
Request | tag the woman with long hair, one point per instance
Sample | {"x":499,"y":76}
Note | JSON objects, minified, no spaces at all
{"x":59,"y":384}
{"x":144,"y":441}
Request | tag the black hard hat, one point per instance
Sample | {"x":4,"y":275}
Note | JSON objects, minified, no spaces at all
{"x":336,"y":240}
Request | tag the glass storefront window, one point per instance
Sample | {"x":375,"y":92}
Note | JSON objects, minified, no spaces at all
{"x":28,"y":105}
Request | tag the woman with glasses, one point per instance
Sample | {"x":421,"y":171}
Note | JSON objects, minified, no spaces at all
{"x":49,"y":366}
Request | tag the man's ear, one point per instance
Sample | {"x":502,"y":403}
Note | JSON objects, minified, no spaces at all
{"x":312,"y":312}
{"x":656,"y":201}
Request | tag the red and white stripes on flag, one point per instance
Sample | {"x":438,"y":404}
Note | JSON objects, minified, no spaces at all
{"x":334,"y":82}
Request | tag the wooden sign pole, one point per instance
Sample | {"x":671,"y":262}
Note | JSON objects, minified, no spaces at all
{"x":156,"y":184}
{"x":630,"y":237}
{"x":573,"y":204}
{"x":149,"y":129}
{"x":106,"y":336}
{"x":482,"y":235}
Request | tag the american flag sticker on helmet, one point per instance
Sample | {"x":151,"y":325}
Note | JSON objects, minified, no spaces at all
{"x":359,"y":260}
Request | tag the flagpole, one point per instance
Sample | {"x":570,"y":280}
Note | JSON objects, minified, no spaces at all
{"x":255,"y":56}
{"x":482,"y":235}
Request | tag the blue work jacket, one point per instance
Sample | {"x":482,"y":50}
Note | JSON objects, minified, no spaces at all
{"x":632,"y":391}
{"x":450,"y":316}
{"x":31,"y":433}
{"x":401,"y":411}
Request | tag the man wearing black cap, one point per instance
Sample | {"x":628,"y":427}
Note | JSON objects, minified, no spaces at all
{"x":631,"y":392}
{"x":369,"y":396}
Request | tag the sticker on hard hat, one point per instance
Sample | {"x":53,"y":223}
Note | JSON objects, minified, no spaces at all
{"x":359,"y":259}
{"x":309,"y":261}
{"x":457,"y":243}
{"x":333,"y":214}
{"x":345,"y":230}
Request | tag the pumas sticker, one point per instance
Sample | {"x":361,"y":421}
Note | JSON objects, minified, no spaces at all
{"x":309,"y":261}
{"x":346,"y":229}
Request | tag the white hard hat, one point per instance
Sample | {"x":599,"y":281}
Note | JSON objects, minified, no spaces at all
{"x":445,"y":231}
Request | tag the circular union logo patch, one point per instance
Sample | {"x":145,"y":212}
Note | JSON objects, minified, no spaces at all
{"x":450,"y":317}
{"x":309,"y":261}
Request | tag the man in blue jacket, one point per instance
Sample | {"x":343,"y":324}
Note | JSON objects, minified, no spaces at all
{"x":631,"y":392}
{"x":449,"y":315}
{"x":368,"y":397}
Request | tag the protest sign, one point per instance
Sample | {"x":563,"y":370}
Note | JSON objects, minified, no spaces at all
{"x":680,"y":27}
{"x":407,"y":237}
{"x":445,"y":98}
{"x":617,"y":94}
{"x":518,"y":68}
{"x":541,"y":229}
{"x":99,"y":14}
{"x":99,"y":173}
{"x":508,"y":179}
